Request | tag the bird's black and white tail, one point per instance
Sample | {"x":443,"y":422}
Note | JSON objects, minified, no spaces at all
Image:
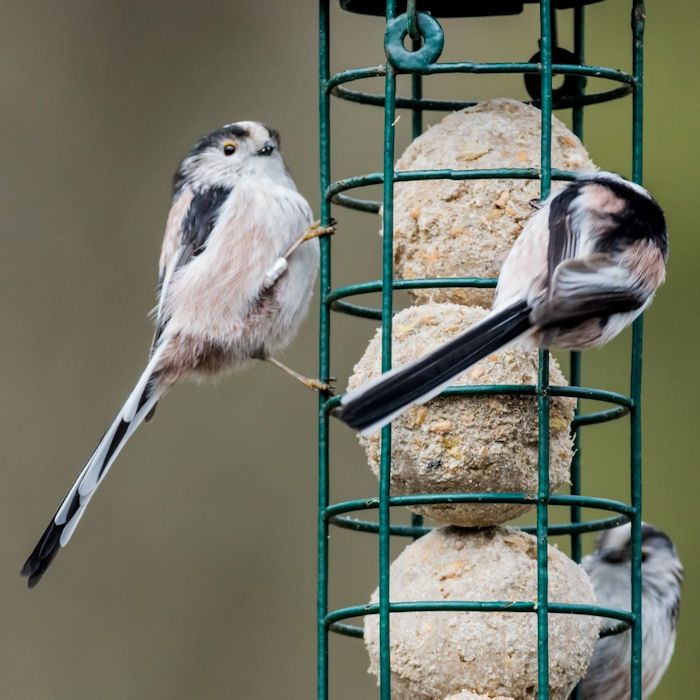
{"x":371,"y":406}
{"x":140,"y":403}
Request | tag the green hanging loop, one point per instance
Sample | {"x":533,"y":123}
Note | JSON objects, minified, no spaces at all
{"x":413,"y":30}
{"x":413,"y":61}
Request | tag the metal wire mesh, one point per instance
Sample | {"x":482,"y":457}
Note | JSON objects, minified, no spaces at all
{"x":427,"y":41}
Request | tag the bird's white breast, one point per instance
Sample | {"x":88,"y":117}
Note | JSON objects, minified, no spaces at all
{"x":257,"y":223}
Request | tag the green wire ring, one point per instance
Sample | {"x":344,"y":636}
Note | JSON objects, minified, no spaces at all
{"x":403,"y":59}
{"x":412,"y":24}
{"x":333,"y":618}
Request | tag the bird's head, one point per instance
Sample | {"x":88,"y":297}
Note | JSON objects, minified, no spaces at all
{"x":233,"y":151}
{"x":662,"y":571}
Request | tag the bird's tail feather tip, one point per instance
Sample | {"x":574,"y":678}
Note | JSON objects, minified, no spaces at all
{"x":141,"y":402}
{"x":34,"y":568}
{"x":44,"y":553}
{"x":28,"y":569}
{"x":34,"y":578}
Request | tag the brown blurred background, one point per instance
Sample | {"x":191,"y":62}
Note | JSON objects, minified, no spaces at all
{"x":193,"y":574}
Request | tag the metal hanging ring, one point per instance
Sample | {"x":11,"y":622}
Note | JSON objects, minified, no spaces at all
{"x":570,"y":87}
{"x":413,"y":61}
{"x":412,"y":23}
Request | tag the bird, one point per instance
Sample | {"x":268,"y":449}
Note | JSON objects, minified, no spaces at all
{"x":236,"y":272}
{"x":586,"y":264}
{"x":609,"y":566}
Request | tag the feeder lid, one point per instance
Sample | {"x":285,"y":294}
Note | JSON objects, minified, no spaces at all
{"x":455,"y":8}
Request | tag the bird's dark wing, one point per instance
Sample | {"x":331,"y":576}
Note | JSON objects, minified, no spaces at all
{"x":591,"y":287}
{"x":189,"y":226}
{"x":563,"y":229}
{"x":199,"y":221}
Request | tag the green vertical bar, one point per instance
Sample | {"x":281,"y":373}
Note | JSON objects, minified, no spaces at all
{"x":638,"y":18}
{"x":638,"y":21}
{"x":387,"y":310}
{"x":546,"y":98}
{"x":579,"y":53}
{"x":542,"y":524}
{"x":543,"y":372}
{"x":416,"y":131}
{"x":416,"y":94}
{"x":324,"y":354}
{"x":636,"y":498}
{"x":575,"y":374}
{"x":575,"y":513}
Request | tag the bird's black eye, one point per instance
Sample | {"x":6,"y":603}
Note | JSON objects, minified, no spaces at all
{"x":229,"y":148}
{"x":614,"y":556}
{"x":645,"y":555}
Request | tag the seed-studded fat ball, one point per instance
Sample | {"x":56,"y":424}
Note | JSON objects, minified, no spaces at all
{"x":465,"y":228}
{"x":467,"y":444}
{"x":435,"y":655}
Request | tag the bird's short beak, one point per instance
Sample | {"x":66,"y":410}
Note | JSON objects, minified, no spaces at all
{"x":267,"y":149}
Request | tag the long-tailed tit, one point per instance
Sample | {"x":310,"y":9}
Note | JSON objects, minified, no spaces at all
{"x":608,"y":676}
{"x":234,"y":285}
{"x":584,"y":267}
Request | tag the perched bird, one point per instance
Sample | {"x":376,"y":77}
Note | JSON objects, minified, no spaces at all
{"x":586,"y":264}
{"x":608,"y":676}
{"x":234,"y":284}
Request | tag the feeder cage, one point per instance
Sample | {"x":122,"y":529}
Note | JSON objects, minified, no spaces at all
{"x":419,"y":22}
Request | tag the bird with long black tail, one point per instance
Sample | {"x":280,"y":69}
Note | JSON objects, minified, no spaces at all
{"x":237,"y":269}
{"x":586,"y":264}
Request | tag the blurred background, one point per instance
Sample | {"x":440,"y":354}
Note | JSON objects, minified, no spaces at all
{"x":193,"y":574}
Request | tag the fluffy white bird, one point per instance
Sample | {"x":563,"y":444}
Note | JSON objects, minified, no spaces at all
{"x":234,"y":285}
{"x":608,"y":676}
{"x":584,"y":267}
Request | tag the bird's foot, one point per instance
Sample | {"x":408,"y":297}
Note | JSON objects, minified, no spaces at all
{"x":317,"y":231}
{"x":326,"y":388}
{"x":318,"y":385}
{"x":314,"y":231}
{"x":281,"y":264}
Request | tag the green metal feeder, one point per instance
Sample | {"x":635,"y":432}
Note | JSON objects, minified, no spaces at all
{"x":412,"y":19}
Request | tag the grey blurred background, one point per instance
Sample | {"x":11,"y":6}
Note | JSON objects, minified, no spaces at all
{"x":193,"y":574}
